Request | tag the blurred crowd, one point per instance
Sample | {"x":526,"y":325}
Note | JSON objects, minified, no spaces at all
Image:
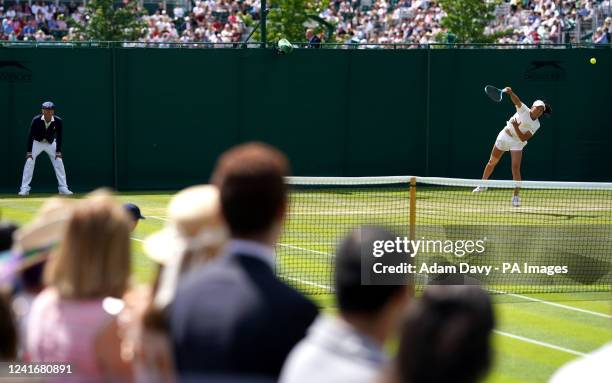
{"x":354,"y":21}
{"x":550,"y":21}
{"x":384,"y":22}
{"x":215,"y":310}
{"x":41,"y":21}
{"x":208,"y":21}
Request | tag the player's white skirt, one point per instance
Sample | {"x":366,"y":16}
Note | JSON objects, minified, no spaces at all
{"x":506,"y":142}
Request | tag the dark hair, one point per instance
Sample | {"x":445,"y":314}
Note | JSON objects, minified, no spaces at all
{"x":32,"y":277}
{"x":6,"y":235}
{"x":446,"y":336}
{"x":358,"y":289}
{"x":547,"y":109}
{"x":8,"y":331}
{"x":253,"y":191}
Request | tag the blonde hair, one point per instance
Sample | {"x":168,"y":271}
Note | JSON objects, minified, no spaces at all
{"x":93,"y":260}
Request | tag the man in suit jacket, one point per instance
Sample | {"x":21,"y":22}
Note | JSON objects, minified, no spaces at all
{"x":45,"y":136}
{"x":234,"y":317}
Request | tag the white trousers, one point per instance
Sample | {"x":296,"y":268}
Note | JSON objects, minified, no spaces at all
{"x":58,"y":165}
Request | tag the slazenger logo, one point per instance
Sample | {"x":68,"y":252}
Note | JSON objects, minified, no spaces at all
{"x":545,"y":71}
{"x":14,"y":71}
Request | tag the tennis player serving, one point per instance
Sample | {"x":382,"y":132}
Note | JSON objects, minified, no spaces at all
{"x":513,"y":138}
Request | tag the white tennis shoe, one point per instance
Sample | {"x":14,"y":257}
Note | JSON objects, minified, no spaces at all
{"x":23,"y":193}
{"x":479,"y":189}
{"x":65,"y":191}
{"x":516,"y":201}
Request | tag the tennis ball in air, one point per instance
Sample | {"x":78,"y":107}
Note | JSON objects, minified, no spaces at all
{"x":593,"y":60}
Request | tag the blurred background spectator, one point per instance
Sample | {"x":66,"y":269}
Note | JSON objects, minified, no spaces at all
{"x":355,"y":21}
{"x":134,"y":213}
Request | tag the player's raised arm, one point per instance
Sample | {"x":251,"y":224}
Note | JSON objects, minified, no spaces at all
{"x":515,"y":100}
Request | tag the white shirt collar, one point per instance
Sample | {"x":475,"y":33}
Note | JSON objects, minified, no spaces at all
{"x":42,"y":117}
{"x":333,"y":333}
{"x":251,"y":249}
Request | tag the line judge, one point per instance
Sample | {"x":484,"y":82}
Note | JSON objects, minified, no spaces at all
{"x":45,"y":136}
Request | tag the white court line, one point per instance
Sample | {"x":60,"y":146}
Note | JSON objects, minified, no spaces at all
{"x":539,"y":343}
{"x":324,"y":287}
{"x":555,"y":304}
{"x":158,"y":218}
{"x":566,"y":307}
{"x":301,"y":248}
{"x":137,"y":239}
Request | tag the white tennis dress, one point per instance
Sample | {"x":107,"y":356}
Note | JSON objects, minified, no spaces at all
{"x":507,"y":139}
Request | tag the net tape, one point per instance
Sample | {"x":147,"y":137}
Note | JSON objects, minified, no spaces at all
{"x":440,"y":181}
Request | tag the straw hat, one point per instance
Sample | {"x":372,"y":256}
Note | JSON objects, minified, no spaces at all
{"x":194,"y":223}
{"x":47,"y":228}
{"x":32,"y":241}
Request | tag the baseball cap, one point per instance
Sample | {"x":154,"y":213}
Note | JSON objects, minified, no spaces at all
{"x":133,"y":210}
{"x":539,"y":103}
{"x":48,"y":105}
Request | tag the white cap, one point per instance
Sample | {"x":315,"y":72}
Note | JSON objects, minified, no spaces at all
{"x":539,"y":103}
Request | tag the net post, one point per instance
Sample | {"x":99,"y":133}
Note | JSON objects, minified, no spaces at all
{"x":412,"y":218}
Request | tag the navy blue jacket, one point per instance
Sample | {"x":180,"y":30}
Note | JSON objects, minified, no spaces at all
{"x":38,"y":132}
{"x":235,"y":317}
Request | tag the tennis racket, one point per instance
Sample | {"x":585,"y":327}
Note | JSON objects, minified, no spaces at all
{"x":494,"y":93}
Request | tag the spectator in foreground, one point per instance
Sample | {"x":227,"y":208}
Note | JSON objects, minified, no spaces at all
{"x":8,"y":331}
{"x":75,"y":318}
{"x":234,"y":317}
{"x":349,"y":347}
{"x":446,"y":336}
{"x":33,"y":245}
{"x":6,"y":235}
{"x":8,"y":327}
{"x":134,"y":213}
{"x":7,"y":262}
{"x":595,"y":367}
{"x":194,"y":235}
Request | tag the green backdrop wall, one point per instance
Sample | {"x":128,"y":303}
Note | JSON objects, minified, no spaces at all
{"x":158,"y":118}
